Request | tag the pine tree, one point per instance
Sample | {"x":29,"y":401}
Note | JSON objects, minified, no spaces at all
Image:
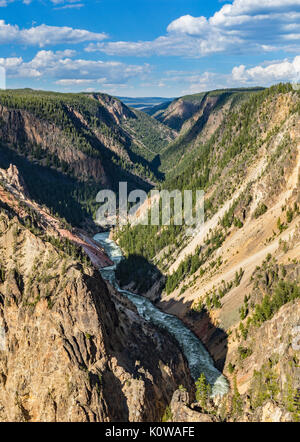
{"x":203,"y":390}
{"x":237,"y":403}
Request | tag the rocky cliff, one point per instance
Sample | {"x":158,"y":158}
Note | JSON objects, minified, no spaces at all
{"x":81,"y":134}
{"x":72,"y":349}
{"x":235,"y":281}
{"x":78,"y":144}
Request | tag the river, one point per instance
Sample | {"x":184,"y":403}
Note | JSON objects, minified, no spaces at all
{"x":198,"y":358}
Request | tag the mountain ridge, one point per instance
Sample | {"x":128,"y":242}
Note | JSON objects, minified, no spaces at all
{"x":84,"y":142}
{"x":235,"y":284}
{"x":241,"y":268}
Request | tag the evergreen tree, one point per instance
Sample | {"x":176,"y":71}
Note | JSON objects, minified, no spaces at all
{"x":203,"y":390}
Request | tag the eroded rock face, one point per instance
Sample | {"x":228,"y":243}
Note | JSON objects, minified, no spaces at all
{"x":274,"y":362}
{"x":20,"y":126}
{"x":182,"y":412}
{"x":270,"y":412}
{"x":277,"y":340}
{"x":13,"y":178}
{"x":71,"y":349}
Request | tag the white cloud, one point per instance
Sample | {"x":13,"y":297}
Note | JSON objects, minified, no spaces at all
{"x":70,"y":6}
{"x":195,"y":82}
{"x":174,"y":45}
{"x":64,"y":69}
{"x":72,"y":82}
{"x":189,"y":25}
{"x":43,"y":35}
{"x":241,"y":7}
{"x":244,"y":25}
{"x":286,"y":71}
{"x":265,"y":74}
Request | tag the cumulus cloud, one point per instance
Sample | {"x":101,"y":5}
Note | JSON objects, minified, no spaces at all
{"x":64,"y":69}
{"x":195,"y":81}
{"x":279,"y":71}
{"x":243,"y":25}
{"x":265,"y":74}
{"x":261,"y":75}
{"x":189,"y":25}
{"x":173,"y":45}
{"x":43,"y":35}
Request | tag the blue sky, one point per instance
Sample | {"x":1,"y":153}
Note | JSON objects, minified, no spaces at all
{"x":149,"y":47}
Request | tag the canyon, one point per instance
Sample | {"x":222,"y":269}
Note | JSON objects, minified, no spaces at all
{"x":80,"y":348}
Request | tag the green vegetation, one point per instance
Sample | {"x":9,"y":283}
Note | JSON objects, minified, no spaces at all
{"x":193,"y":262}
{"x":260,"y":210}
{"x":273,"y":287}
{"x":33,"y":223}
{"x":284,"y":292}
{"x":203,"y":390}
{"x":292,"y":399}
{"x":265,"y":384}
{"x":212,"y":298}
{"x":69,"y":248}
{"x":231,"y":368}
{"x":65,"y":196}
{"x":167,"y":416}
{"x":237,"y":402}
{"x":207,"y":165}
{"x":83,"y":123}
{"x":95,"y":121}
{"x":244,"y":352}
{"x":152,"y":135}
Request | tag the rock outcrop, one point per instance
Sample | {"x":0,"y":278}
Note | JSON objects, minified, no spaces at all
{"x":70,"y":349}
{"x":182,"y":412}
{"x":12,"y":178}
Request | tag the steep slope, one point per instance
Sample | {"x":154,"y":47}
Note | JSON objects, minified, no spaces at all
{"x":177,"y":112}
{"x":157,"y":110}
{"x":70,"y":350}
{"x":197,"y":118}
{"x":80,"y":142}
{"x":240,"y":270}
{"x":234,"y":281}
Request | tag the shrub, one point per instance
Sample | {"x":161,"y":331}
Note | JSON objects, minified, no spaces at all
{"x":260,"y":210}
{"x":244,"y":352}
{"x":231,"y":368}
{"x":167,"y":417}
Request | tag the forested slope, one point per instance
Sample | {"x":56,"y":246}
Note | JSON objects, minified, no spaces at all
{"x":240,"y":271}
{"x":76,"y":144}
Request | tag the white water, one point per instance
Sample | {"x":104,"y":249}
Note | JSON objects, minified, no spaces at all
{"x":198,"y":358}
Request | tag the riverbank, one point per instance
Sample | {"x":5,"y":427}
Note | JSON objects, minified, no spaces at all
{"x":197,"y":356}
